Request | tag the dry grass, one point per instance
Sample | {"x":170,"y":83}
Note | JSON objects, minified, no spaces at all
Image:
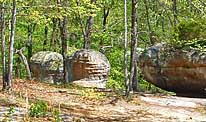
{"x":82,"y":104}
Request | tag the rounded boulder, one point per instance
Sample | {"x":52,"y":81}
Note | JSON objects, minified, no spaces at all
{"x":88,"y":68}
{"x":47,"y":66}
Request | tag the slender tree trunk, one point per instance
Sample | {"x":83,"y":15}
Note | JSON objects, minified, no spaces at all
{"x":135,"y":85}
{"x":31,"y":28}
{"x":29,"y":45}
{"x":3,"y":47}
{"x":87,"y":41}
{"x":162,"y":23}
{"x":58,"y":43}
{"x":82,"y":25}
{"x":23,"y":58}
{"x":155,"y":9}
{"x":45,"y":37}
{"x":18,"y":68}
{"x":175,"y":12}
{"x":11,"y":47}
{"x":134,"y":36}
{"x":63,"y":33}
{"x":106,"y":14}
{"x":127,"y":82}
{"x":53,"y":39}
{"x":64,"y":48}
{"x":148,"y":23}
{"x":104,"y":23}
{"x":89,"y":25}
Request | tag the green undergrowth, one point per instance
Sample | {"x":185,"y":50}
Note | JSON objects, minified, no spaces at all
{"x":42,"y":109}
{"x":116,"y":91}
{"x":189,"y":34}
{"x":93,"y":94}
{"x":194,"y":44}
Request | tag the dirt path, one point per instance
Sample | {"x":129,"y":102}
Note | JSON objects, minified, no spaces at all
{"x":82,"y":105}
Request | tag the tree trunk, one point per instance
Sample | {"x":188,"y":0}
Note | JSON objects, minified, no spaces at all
{"x":18,"y":68}
{"x":135,"y":86}
{"x":3,"y":47}
{"x":87,"y":41}
{"x":148,"y":23}
{"x":11,"y":48}
{"x":53,"y":39}
{"x":58,"y":41}
{"x":89,"y":25}
{"x":127,"y":83}
{"x":45,"y":37}
{"x":63,"y":32}
{"x":63,"y":29}
{"x":175,"y":12}
{"x":106,"y":14}
{"x":31,"y":28}
{"x":162,"y":24}
{"x":134,"y":37}
{"x":23,"y":58}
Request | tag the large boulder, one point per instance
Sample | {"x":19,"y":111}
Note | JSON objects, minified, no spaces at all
{"x":183,"y":72}
{"x":88,"y":68}
{"x":47,"y":66}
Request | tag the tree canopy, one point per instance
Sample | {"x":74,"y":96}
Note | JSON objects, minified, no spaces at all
{"x":99,"y":24}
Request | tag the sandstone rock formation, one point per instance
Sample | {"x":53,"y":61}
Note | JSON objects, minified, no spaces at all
{"x":47,"y":66}
{"x":183,"y":72}
{"x":88,"y":68}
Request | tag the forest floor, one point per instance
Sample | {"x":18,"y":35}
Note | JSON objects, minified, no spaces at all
{"x":91,"y":105}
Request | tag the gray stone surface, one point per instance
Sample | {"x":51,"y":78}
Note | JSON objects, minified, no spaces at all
{"x":17,"y":115}
{"x":89,"y":66}
{"x":47,"y":66}
{"x":180,"y":71}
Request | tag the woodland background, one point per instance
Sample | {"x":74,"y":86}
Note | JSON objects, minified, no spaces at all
{"x":65,"y":26}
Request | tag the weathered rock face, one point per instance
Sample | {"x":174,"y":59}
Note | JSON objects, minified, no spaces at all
{"x":91,"y":66}
{"x":183,"y":72}
{"x":47,"y":66}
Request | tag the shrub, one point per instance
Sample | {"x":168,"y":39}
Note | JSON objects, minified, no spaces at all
{"x":116,"y":58}
{"x":190,"y":34}
{"x":191,"y":29}
{"x":57,"y":115}
{"x":38,"y":109}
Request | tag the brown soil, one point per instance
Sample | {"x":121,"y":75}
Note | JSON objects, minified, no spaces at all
{"x":88,"y":105}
